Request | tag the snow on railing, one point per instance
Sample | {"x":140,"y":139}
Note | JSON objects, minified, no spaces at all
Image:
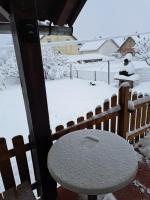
{"x":132,"y":105}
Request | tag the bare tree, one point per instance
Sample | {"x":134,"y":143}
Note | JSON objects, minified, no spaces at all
{"x":142,"y":49}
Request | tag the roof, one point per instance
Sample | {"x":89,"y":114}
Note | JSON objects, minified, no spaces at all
{"x":75,"y":58}
{"x":59,"y":12}
{"x":92,"y":46}
{"x":127,"y":41}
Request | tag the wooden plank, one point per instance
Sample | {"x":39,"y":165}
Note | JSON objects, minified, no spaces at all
{"x":1,"y":198}
{"x":71,"y":19}
{"x":11,"y":194}
{"x":24,"y":192}
{"x":65,"y":11}
{"x":148,"y":114}
{"x":143,"y":120}
{"x":98,"y":110}
{"x":5,"y":166}
{"x":6,"y":29}
{"x":138,"y":132}
{"x":70,"y":123}
{"x":28,"y":52}
{"x":89,"y":115}
{"x":105,"y":108}
{"x":113,"y":119}
{"x":138,"y":116}
{"x":59,"y":128}
{"x":133,"y":114}
{"x":123,"y":118}
{"x":4,"y":13}
{"x":20,"y":152}
{"x":92,"y":121}
{"x":79,"y":120}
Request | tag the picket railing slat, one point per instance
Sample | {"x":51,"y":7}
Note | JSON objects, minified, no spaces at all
{"x":21,"y":158}
{"x":70,"y":123}
{"x":133,"y":114}
{"x":105,"y":108}
{"x":148,"y":114}
{"x":113,"y":119}
{"x":89,"y":115}
{"x":79,"y":120}
{"x":5,"y":166}
{"x":138,"y":116}
{"x":59,"y":128}
{"x":98,"y":110}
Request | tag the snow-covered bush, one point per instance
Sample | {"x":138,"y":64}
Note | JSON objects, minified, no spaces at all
{"x":8,"y":65}
{"x":142,"y":49}
{"x":55,"y":64}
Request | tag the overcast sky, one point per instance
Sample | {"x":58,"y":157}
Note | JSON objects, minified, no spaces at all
{"x":110,"y":18}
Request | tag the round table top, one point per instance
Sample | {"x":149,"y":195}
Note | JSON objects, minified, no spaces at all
{"x":92,"y":162}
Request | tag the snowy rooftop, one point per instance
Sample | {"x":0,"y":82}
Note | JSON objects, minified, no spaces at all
{"x":75,"y":58}
{"x":89,"y":46}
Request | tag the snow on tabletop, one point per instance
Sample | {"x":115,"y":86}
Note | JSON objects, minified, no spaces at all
{"x":134,"y":77}
{"x":86,"y":164}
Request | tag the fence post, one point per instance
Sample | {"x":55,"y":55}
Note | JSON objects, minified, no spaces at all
{"x":108,"y":72}
{"x":123,"y":118}
{"x":71,"y":75}
{"x":95,"y":76}
{"x":77,"y":74}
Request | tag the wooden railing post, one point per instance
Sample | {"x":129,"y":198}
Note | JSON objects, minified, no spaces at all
{"x":24,"y":25}
{"x":123,"y":118}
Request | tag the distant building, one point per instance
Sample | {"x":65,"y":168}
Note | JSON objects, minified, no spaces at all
{"x":127,"y":46}
{"x":104,"y":47}
{"x":69,"y":49}
{"x":87,"y":58}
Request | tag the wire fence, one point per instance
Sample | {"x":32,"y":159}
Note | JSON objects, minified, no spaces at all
{"x":105,"y":71}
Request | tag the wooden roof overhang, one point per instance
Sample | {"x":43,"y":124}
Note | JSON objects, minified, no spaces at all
{"x":58,"y":12}
{"x":23,"y":16}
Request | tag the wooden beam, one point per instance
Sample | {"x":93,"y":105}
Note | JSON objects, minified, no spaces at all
{"x":76,"y":12}
{"x":5,"y":28}
{"x":28,"y":52}
{"x":65,"y":12}
{"x":4,"y":15}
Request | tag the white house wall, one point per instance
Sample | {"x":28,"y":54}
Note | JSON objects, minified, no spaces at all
{"x":107,"y":48}
{"x":88,"y":52}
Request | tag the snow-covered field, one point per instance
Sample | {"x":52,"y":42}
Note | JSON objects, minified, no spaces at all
{"x":67,"y":100}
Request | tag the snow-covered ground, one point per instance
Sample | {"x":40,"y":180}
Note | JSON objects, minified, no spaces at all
{"x":67,"y":100}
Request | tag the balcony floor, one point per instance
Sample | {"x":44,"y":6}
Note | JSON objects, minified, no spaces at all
{"x":138,"y":190}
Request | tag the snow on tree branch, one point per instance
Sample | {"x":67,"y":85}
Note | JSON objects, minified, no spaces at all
{"x":142,"y":48}
{"x":54,"y":64}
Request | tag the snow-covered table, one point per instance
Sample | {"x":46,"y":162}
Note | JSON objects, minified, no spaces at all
{"x":92,"y":162}
{"x":130,"y":79}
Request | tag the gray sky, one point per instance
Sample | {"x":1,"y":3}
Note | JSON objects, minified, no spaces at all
{"x":109,"y":18}
{"x":112,"y":17}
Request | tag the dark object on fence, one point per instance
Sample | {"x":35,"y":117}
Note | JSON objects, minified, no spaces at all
{"x":92,"y":83}
{"x":125,"y":73}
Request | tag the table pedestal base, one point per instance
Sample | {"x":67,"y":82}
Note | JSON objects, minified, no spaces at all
{"x":92,"y":197}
